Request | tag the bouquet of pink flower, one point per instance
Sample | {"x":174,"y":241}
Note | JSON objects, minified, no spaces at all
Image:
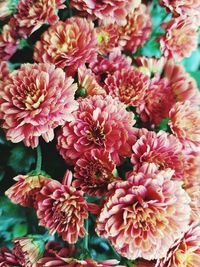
{"x":100,"y":128}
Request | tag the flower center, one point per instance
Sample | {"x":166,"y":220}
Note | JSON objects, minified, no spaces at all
{"x":96,"y":135}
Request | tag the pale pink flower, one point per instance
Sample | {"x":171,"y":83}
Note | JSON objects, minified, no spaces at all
{"x":109,"y":11}
{"x":180,"y":40}
{"x":128,"y":85}
{"x":100,"y":122}
{"x":32,"y":14}
{"x":144,"y":215}
{"x":161,"y":149}
{"x":137,"y":30}
{"x":150,"y":65}
{"x":24,"y":191}
{"x":36,"y":99}
{"x":193,"y":192}
{"x":185,"y":124}
{"x":67,"y":44}
{"x":62,"y":209}
{"x":185,"y":251}
{"x":94,"y":172}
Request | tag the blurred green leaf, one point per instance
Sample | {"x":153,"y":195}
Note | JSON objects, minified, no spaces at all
{"x":151,"y":48}
{"x":192,"y":63}
{"x":196,"y":76}
{"x":21,"y":158}
{"x":20,"y":230}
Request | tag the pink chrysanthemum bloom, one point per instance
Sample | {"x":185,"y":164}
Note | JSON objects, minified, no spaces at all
{"x":32,"y":14}
{"x":67,"y":44}
{"x":150,"y":65}
{"x":189,"y":8}
{"x":100,"y":122}
{"x":94,"y":171}
{"x":7,"y":258}
{"x":87,"y":81}
{"x":137,"y":29}
{"x":180,"y":40}
{"x":183,"y":86}
{"x":161,"y":149}
{"x":185,"y":251}
{"x":128,"y":85}
{"x":115,"y":61}
{"x":193,"y":192}
{"x":144,"y":215}
{"x":107,"y":38}
{"x":185,"y":124}
{"x":4,"y":70}
{"x":35,"y":100}
{"x":62,"y":209}
{"x":71,"y":262}
{"x":157,"y":102}
{"x":26,"y":188}
{"x":191,"y":169}
{"x":27,"y":251}
{"x":109,"y":11}
{"x":8,"y":42}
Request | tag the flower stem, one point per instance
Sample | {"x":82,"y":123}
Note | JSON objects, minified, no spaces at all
{"x":86,"y":237}
{"x":39,"y":160}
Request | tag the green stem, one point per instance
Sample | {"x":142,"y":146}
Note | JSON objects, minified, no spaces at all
{"x":86,"y":237}
{"x":39,"y":160}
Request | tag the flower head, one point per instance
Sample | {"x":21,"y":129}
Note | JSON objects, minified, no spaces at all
{"x":7,"y":258}
{"x":128,"y":85}
{"x":109,"y":11}
{"x":67,"y":44}
{"x":185,"y":251}
{"x":180,"y":40}
{"x":144,"y":215}
{"x":35,"y":100}
{"x":25,"y":190}
{"x":63,"y":209}
{"x":31,"y":14}
{"x":100,"y":122}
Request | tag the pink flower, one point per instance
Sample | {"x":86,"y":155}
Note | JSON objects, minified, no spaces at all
{"x":94,"y":171}
{"x":62,"y":209}
{"x":180,"y":40}
{"x":128,"y":85}
{"x":185,"y":124}
{"x":137,"y":29}
{"x":157,"y":102}
{"x":54,"y":249}
{"x":144,"y":215}
{"x":164,"y":150}
{"x":87,"y":81}
{"x":67,"y":44}
{"x":35,"y":100}
{"x":193,"y":192}
{"x":185,"y":251}
{"x":4,"y":70}
{"x":7,"y":258}
{"x":150,"y":65}
{"x":26,"y":188}
{"x":183,"y":86}
{"x":100,"y":122}
{"x":107,"y":10}
{"x":8,"y":42}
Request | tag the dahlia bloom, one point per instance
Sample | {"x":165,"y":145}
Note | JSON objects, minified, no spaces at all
{"x":67,"y":44}
{"x":183,"y":86}
{"x":128,"y":85}
{"x":4,"y":70}
{"x":180,"y":40}
{"x":32,"y":14}
{"x":107,"y":38}
{"x":99,"y":122}
{"x":161,"y":149}
{"x":35,"y":100}
{"x":185,"y":124}
{"x":185,"y":251}
{"x":71,"y":262}
{"x":94,"y":171}
{"x":26,"y":188}
{"x":26,"y":251}
{"x":137,"y":29}
{"x":8,"y":42}
{"x":7,"y":258}
{"x":157,"y":101}
{"x":109,"y":11}
{"x":144,"y":215}
{"x":88,"y":82}
{"x":63,"y":209}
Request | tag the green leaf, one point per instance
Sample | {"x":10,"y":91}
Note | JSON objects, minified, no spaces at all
{"x":196,"y":76}
{"x":21,"y":158}
{"x":20,"y":230}
{"x":192,"y":63}
{"x":151,"y":48}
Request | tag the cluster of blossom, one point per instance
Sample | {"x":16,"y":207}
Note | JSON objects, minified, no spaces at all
{"x":109,"y":108}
